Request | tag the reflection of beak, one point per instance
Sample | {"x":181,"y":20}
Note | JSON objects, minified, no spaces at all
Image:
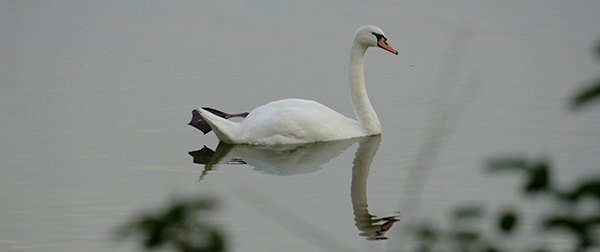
{"x":383,"y":44}
{"x":388,"y":224}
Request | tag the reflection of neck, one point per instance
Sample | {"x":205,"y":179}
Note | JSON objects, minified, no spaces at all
{"x":358,"y":188}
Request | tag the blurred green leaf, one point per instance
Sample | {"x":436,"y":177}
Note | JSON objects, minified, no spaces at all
{"x":218,"y":242}
{"x":586,"y":96}
{"x":467,"y":240}
{"x":598,"y":50}
{"x":539,"y":178}
{"x":590,"y":188}
{"x":491,"y":248}
{"x":536,"y":172}
{"x":427,"y":233}
{"x":176,"y":225}
{"x":508,"y":220}
{"x":541,"y":250}
{"x":581,"y":227}
{"x":428,"y":236}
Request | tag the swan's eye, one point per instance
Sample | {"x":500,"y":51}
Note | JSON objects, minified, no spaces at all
{"x":379,"y":37}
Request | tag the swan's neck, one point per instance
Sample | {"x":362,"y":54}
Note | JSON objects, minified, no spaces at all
{"x":360,"y":101}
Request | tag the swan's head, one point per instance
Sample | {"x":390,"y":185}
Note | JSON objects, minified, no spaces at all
{"x":371,"y":36}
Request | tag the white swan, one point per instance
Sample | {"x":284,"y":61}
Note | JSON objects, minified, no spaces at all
{"x":292,"y":121}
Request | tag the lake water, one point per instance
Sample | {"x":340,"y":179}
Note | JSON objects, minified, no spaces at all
{"x":95,"y":98}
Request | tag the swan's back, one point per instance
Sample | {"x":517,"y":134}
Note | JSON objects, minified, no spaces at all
{"x":295,"y":121}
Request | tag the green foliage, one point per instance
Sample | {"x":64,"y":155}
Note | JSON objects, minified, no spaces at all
{"x":535,"y":172}
{"x":572,"y":214}
{"x":587,"y":188}
{"x":428,"y":236}
{"x":580,"y":227}
{"x":178,"y":226}
{"x":508,"y":220}
{"x":589,"y":94}
{"x":464,"y":233}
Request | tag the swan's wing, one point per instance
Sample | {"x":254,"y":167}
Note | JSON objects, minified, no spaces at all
{"x":296,"y":121}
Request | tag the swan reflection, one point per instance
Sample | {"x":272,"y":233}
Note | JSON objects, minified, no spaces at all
{"x":370,"y":226}
{"x":285,"y":160}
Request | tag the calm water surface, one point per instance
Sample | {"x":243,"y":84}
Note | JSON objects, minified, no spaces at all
{"x":95,"y":98}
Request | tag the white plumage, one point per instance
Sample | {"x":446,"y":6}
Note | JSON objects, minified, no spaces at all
{"x":292,"y":121}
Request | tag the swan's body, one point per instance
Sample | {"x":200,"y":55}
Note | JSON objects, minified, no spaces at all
{"x":291,"y":121}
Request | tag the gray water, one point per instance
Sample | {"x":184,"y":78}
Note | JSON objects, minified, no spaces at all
{"x":95,"y":97}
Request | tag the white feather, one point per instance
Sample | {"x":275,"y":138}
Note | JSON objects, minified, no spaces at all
{"x":292,"y":121}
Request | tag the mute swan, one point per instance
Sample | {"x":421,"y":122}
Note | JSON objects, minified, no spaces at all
{"x":292,"y":121}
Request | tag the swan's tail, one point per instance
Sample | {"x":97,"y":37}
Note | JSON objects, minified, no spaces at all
{"x":207,"y":119}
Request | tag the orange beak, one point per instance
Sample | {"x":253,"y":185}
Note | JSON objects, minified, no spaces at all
{"x":383,"y":44}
